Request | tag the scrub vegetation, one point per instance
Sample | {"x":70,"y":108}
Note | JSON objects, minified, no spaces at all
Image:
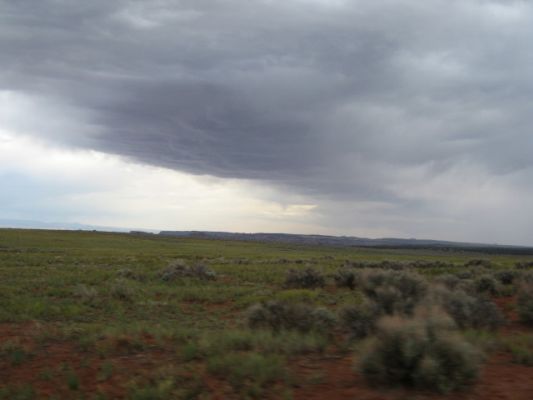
{"x":94,"y":315}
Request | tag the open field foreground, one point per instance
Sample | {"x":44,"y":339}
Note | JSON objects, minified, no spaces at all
{"x":86,"y":315}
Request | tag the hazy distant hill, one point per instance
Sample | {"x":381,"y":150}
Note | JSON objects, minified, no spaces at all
{"x":69,"y":226}
{"x":352,"y":241}
{"x":341,"y":241}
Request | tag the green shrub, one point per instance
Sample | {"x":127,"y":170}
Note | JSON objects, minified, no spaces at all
{"x":87,"y":294}
{"x":524,"y":265}
{"x":73,"y":382}
{"x":506,"y":277}
{"x":323,"y":320}
{"x":449,"y":281}
{"x":392,"y":301}
{"x":478,"y":263}
{"x":288,"y":342}
{"x":393,"y":291}
{"x":465,"y":274}
{"x":297,"y":296}
{"x":106,"y":371}
{"x":526,"y":277}
{"x":345,"y":277}
{"x":483,"y":339}
{"x":423,"y":352}
{"x":522,"y":355}
{"x":308,"y":278}
{"x":521,"y":348}
{"x":278,"y":316}
{"x":190,"y":351}
{"x":158,"y":390}
{"x":410,"y":284}
{"x":178,"y":269}
{"x":525,"y":303}
{"x":416,"y":264}
{"x":13,"y":352}
{"x":469,"y":311}
{"x":381,"y":265}
{"x":360,"y":319}
{"x":486,"y":284}
{"x":127,"y":273}
{"x":242,"y":369}
{"x":437,"y":264}
{"x":121,"y":290}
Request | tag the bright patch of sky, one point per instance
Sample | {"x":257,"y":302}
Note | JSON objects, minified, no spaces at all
{"x":45,"y":183}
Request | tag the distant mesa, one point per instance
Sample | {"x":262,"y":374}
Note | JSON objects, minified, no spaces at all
{"x":352,"y":241}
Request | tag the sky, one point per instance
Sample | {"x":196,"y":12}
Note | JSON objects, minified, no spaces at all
{"x":390,"y":118}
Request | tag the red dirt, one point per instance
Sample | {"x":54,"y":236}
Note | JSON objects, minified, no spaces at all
{"x":56,"y":357}
{"x":508,"y":306}
{"x":22,"y":332}
{"x":318,"y":377}
{"x":499,"y":380}
{"x":513,"y":326}
{"x":222,"y":310}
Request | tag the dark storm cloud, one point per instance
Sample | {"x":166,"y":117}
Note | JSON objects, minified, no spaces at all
{"x":333,"y":98}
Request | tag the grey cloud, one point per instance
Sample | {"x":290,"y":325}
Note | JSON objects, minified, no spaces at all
{"x":330,"y":99}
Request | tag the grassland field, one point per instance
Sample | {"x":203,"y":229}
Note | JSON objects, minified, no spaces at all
{"x":87,"y":315}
